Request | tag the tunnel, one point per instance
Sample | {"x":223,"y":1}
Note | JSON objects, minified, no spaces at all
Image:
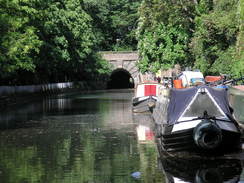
{"x":120,"y":79}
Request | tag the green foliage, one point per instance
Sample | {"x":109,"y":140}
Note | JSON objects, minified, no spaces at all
{"x":99,"y":12}
{"x":18,"y":39}
{"x":162,"y":48}
{"x":47,"y":41}
{"x":68,"y":39}
{"x":238,"y":66}
{"x":114,"y":23}
{"x":205,"y":34}
{"x":215,"y":38}
{"x":163,"y":34}
{"x":55,"y":41}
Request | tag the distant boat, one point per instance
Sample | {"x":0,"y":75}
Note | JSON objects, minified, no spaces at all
{"x":213,"y":79}
{"x":189,"y":79}
{"x":223,"y":82}
{"x":146,"y":95}
{"x":197,"y":119}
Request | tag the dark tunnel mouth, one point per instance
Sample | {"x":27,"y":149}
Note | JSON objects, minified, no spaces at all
{"x":120,"y":79}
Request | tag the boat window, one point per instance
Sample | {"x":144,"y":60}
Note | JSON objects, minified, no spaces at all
{"x":202,"y":103}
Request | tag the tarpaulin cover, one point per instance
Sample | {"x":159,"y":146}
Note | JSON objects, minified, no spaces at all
{"x":213,"y":78}
{"x":181,"y":98}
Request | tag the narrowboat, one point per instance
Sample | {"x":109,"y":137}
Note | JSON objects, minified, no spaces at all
{"x":146,"y":95}
{"x":223,"y":82}
{"x":197,"y":119}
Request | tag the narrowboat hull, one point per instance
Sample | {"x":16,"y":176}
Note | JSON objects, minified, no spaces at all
{"x":143,"y":104}
{"x":201,"y":170}
{"x":184,"y":141}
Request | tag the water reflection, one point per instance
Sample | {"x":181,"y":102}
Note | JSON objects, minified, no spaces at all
{"x":70,"y":104}
{"x":147,"y":149}
{"x":76,"y":138}
{"x":144,"y":127}
{"x":211,"y":171}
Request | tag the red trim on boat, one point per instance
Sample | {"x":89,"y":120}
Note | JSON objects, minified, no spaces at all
{"x":150,"y":90}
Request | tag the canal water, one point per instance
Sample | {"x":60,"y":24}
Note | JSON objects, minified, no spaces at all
{"x":93,"y":138}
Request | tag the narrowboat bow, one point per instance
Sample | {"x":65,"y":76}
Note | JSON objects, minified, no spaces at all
{"x":197,"y":119}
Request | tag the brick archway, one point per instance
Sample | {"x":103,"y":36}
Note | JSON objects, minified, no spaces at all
{"x":124,"y":60}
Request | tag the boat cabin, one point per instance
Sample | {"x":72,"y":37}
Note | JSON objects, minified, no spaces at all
{"x":191,"y":78}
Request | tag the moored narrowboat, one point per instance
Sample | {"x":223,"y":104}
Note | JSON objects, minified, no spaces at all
{"x":146,"y":95}
{"x":197,"y":119}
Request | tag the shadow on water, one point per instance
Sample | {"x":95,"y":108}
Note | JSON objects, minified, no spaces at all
{"x":29,"y":114}
{"x":212,"y":171}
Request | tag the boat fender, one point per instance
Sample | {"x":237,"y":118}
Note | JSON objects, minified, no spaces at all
{"x":207,"y":135}
{"x":209,"y":175}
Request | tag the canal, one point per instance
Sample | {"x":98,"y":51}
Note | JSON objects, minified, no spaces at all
{"x":93,"y":138}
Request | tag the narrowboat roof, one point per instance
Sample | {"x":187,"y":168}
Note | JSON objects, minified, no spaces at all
{"x":150,"y":82}
{"x":182,"y":99}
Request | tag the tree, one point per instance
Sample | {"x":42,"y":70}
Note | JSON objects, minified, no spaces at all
{"x":47,"y":41}
{"x":238,"y":68}
{"x":215,"y":38}
{"x":19,"y":41}
{"x":204,"y":34}
{"x":67,"y":37}
{"x":114,"y":23}
{"x":164,"y":32}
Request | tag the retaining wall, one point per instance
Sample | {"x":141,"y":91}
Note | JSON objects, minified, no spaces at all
{"x":18,"y":94}
{"x":12,"y":90}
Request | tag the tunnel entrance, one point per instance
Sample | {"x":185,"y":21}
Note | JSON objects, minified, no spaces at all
{"x":120,"y":78}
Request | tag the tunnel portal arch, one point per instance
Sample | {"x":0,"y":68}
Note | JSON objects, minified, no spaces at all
{"x":119,"y":79}
{"x":123,"y":62}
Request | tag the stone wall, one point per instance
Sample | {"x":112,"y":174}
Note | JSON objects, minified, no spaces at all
{"x":124,"y":60}
{"x":120,"y":55}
